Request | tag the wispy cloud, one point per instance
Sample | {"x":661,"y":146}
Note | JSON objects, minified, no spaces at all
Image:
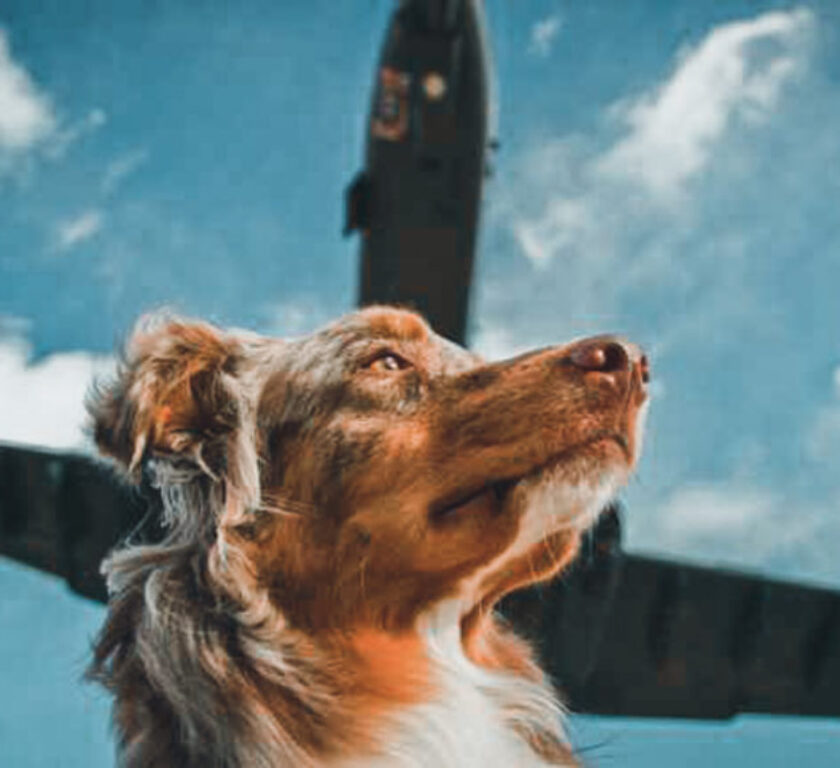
{"x":823,"y":437}
{"x":26,"y":113}
{"x":744,"y":527}
{"x":295,"y":316}
{"x":42,"y":403}
{"x":29,"y":124}
{"x":121,"y":168}
{"x":543,"y":34}
{"x":679,"y":220}
{"x":737,"y":71}
{"x":591,"y":196}
{"x":79,"y":229}
{"x":721,"y":514}
{"x":496,"y":342}
{"x":67,"y":135}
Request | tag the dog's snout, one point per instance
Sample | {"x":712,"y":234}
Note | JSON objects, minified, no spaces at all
{"x":644,"y":369}
{"x":604,"y":354}
{"x":609,"y":356}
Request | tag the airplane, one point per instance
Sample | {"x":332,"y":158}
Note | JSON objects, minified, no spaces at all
{"x":428,"y":150}
{"x":623,"y":634}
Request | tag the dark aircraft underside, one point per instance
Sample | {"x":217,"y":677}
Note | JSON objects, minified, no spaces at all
{"x":621,"y":634}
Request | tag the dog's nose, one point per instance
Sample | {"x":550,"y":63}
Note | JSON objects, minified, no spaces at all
{"x":609,"y":355}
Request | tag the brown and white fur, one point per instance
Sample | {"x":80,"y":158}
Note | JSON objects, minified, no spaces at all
{"x":342,"y":513}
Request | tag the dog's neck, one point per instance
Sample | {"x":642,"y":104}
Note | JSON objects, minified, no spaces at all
{"x":193,"y":682}
{"x":485,"y":704}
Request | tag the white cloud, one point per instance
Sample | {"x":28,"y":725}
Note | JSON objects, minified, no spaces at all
{"x":563,"y":224}
{"x":822,"y":443}
{"x":296,"y":317}
{"x":741,"y":526}
{"x":704,"y":512}
{"x":29,"y":126}
{"x":79,"y":229}
{"x":121,"y":168}
{"x":543,"y":34}
{"x":42,"y":403}
{"x":575,"y":198}
{"x":68,"y":135}
{"x":26,"y":114}
{"x":738,"y":70}
{"x":695,"y":250}
{"x":494,"y":342}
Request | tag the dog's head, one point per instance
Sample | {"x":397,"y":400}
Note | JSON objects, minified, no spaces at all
{"x":362,"y":474}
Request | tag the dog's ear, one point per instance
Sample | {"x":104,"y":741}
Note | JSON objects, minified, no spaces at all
{"x":176,"y":395}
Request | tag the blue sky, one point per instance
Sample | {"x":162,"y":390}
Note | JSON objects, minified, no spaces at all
{"x":44,"y":648}
{"x":668,"y":170}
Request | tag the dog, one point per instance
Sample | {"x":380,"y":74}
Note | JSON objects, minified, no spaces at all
{"x":341,"y":513}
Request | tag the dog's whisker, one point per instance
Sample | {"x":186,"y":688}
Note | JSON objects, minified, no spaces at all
{"x":283,"y":511}
{"x":531,"y":568}
{"x":362,"y":569}
{"x":553,"y":553}
{"x":289,"y":507}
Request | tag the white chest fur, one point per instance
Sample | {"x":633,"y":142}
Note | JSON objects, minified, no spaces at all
{"x":475,"y":721}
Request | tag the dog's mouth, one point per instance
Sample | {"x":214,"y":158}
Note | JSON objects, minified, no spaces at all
{"x":493,"y":493}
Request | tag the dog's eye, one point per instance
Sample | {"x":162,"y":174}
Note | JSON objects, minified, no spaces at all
{"x":387,"y":361}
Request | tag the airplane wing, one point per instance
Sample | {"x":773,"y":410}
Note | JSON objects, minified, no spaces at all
{"x":626,"y":634}
{"x":62,"y":513}
{"x":621,"y":634}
